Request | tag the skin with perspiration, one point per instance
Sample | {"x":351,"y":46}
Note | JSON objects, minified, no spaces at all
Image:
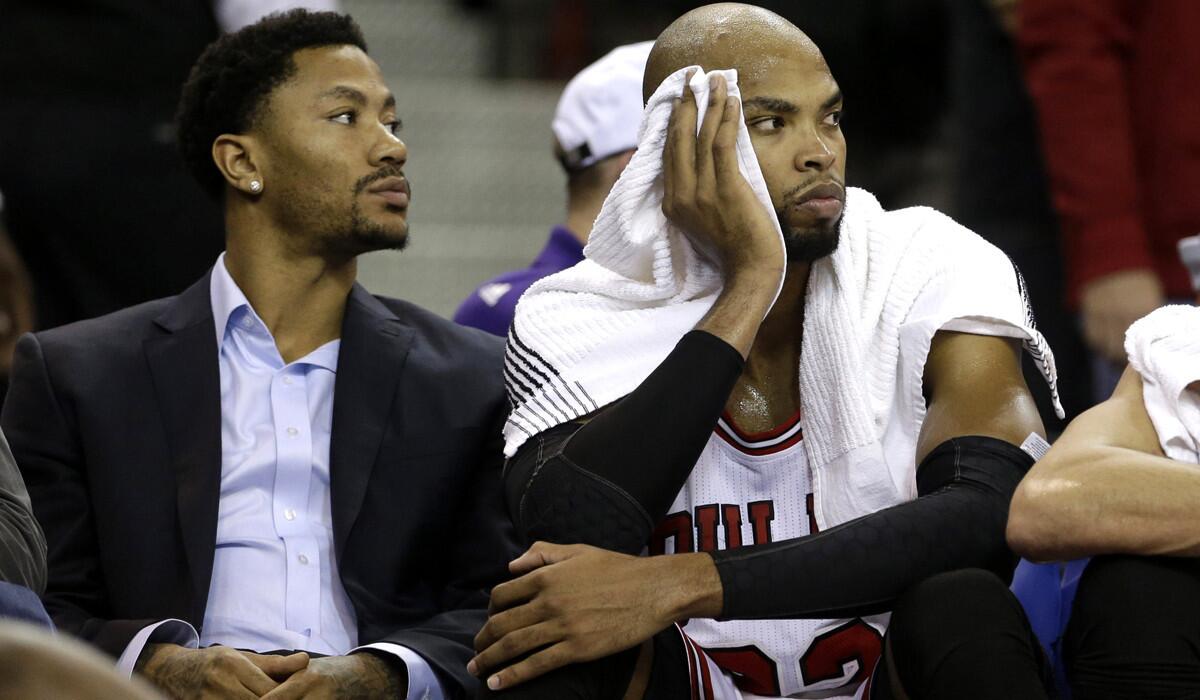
{"x":577,"y":603}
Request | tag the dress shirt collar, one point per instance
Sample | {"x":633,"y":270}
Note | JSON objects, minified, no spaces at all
{"x":230,"y":307}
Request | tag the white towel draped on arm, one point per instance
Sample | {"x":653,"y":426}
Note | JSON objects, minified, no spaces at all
{"x":589,"y":335}
{"x":1164,"y":348}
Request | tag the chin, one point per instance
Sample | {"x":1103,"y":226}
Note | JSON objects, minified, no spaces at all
{"x":812,"y":244}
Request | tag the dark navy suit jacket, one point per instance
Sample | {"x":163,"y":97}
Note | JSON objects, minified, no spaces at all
{"x":115,"y":423}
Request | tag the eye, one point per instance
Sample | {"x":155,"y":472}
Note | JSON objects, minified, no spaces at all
{"x":344,"y":118}
{"x":395,"y":126}
{"x":834,"y":118}
{"x":766,"y":125}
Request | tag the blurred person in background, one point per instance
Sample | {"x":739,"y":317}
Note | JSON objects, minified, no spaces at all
{"x":99,"y":205}
{"x":1121,"y":485}
{"x":999,"y":187}
{"x":595,"y":133}
{"x":36,"y":665}
{"x":1114,"y":82}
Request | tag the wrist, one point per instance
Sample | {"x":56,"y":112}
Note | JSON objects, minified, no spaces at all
{"x":390,"y":673}
{"x":153,"y":657}
{"x":696,"y":589}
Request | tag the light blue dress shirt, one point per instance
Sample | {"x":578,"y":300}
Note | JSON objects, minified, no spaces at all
{"x":275,"y":582}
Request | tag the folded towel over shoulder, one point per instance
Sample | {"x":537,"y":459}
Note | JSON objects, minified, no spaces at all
{"x":1164,"y":348}
{"x":589,"y":335}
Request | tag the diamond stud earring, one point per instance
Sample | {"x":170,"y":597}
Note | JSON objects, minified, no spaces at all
{"x":255,"y":186}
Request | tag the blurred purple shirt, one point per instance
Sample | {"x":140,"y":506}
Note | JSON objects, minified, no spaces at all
{"x":491,"y":306}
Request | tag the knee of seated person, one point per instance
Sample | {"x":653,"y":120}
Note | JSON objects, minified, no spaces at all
{"x":1122,"y":591}
{"x":954,"y":600}
{"x":563,"y":505}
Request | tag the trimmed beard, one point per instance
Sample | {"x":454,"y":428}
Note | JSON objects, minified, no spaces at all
{"x":807,"y":245}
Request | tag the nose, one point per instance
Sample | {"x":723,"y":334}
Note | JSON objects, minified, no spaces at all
{"x":815,"y":153}
{"x":389,"y":149}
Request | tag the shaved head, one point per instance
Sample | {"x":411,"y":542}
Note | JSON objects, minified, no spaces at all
{"x":791,"y":105}
{"x":726,"y":35}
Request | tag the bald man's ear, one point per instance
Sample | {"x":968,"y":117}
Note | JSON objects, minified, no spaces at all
{"x":234,"y":155}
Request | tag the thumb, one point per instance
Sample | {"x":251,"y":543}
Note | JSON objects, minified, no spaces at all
{"x":539,"y":555}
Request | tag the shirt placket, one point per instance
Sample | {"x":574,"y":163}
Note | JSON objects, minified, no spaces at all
{"x":289,"y":503}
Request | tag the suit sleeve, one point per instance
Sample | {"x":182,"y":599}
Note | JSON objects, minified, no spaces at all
{"x":22,"y":544}
{"x":46,"y":445}
{"x":477,"y":558}
{"x":1074,"y":52}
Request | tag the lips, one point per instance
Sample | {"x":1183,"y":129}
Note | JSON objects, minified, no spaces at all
{"x":394,"y":190}
{"x":823,"y":201}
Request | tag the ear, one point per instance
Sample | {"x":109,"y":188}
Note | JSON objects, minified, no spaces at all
{"x":234,"y":155}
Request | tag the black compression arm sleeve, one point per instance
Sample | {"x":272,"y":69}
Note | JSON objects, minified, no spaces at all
{"x":609,"y":481}
{"x":861,"y":567}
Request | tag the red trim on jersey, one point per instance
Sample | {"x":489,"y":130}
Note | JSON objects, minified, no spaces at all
{"x":767,"y":442}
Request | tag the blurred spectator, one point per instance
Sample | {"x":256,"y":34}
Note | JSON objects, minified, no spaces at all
{"x":595,"y":130}
{"x":1115,"y":82}
{"x":999,"y":183}
{"x":99,"y":205}
{"x":22,"y":546}
{"x":16,"y":302}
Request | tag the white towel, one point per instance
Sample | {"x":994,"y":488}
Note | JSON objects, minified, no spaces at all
{"x":1164,"y":347}
{"x":589,"y":335}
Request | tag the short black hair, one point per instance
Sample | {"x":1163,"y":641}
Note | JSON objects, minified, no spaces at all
{"x":231,"y":80}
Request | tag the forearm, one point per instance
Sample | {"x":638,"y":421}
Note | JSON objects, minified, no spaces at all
{"x":861,"y":567}
{"x":1107,"y":500}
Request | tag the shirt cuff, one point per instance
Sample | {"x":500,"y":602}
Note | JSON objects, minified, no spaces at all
{"x":423,"y":683}
{"x":166,"y":632}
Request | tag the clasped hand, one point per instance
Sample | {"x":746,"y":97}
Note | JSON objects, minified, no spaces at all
{"x":222,"y":672}
{"x":704,"y":193}
{"x":571,"y":603}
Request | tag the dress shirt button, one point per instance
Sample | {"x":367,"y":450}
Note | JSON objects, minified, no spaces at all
{"x":289,"y":514}
{"x":293,"y":432}
{"x":247,"y":321}
{"x":303,"y":559}
{"x":287,"y":380}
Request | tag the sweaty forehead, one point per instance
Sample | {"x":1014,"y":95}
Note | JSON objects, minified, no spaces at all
{"x":759,"y":44}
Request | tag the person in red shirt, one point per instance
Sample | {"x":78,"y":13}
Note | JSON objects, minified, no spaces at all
{"x":1114,"y":82}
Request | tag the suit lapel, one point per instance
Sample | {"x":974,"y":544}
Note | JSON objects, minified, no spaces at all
{"x":183,"y":363}
{"x":374,"y":346}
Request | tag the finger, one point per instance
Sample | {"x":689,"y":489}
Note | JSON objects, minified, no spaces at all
{"x":293,"y":688}
{"x":682,"y":136}
{"x":511,"y":593}
{"x":725,"y":144}
{"x":278,"y":667}
{"x":503,"y":623}
{"x":713,"y":116}
{"x":250,"y":676}
{"x":536,"y":665}
{"x":515,"y":645}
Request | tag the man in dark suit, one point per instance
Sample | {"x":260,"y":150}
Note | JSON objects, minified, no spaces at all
{"x":197,"y":480}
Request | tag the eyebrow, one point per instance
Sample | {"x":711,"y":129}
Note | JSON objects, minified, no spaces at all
{"x":782,"y":106}
{"x":356,"y":96}
{"x":771,"y":104}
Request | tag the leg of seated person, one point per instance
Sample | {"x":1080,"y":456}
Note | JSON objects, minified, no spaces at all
{"x":1135,"y":629}
{"x":656,"y":670}
{"x":960,"y":634}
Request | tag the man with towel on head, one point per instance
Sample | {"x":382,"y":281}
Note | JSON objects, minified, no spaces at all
{"x":1121,"y":485}
{"x":814,"y":404}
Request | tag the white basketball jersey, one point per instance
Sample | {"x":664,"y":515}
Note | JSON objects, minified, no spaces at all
{"x":752,"y":489}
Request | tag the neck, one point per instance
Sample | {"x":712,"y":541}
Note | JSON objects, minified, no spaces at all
{"x":581,"y":216}
{"x":781,"y":331}
{"x":300,"y":295}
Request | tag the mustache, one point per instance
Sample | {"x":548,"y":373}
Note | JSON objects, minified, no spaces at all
{"x":384,"y":172}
